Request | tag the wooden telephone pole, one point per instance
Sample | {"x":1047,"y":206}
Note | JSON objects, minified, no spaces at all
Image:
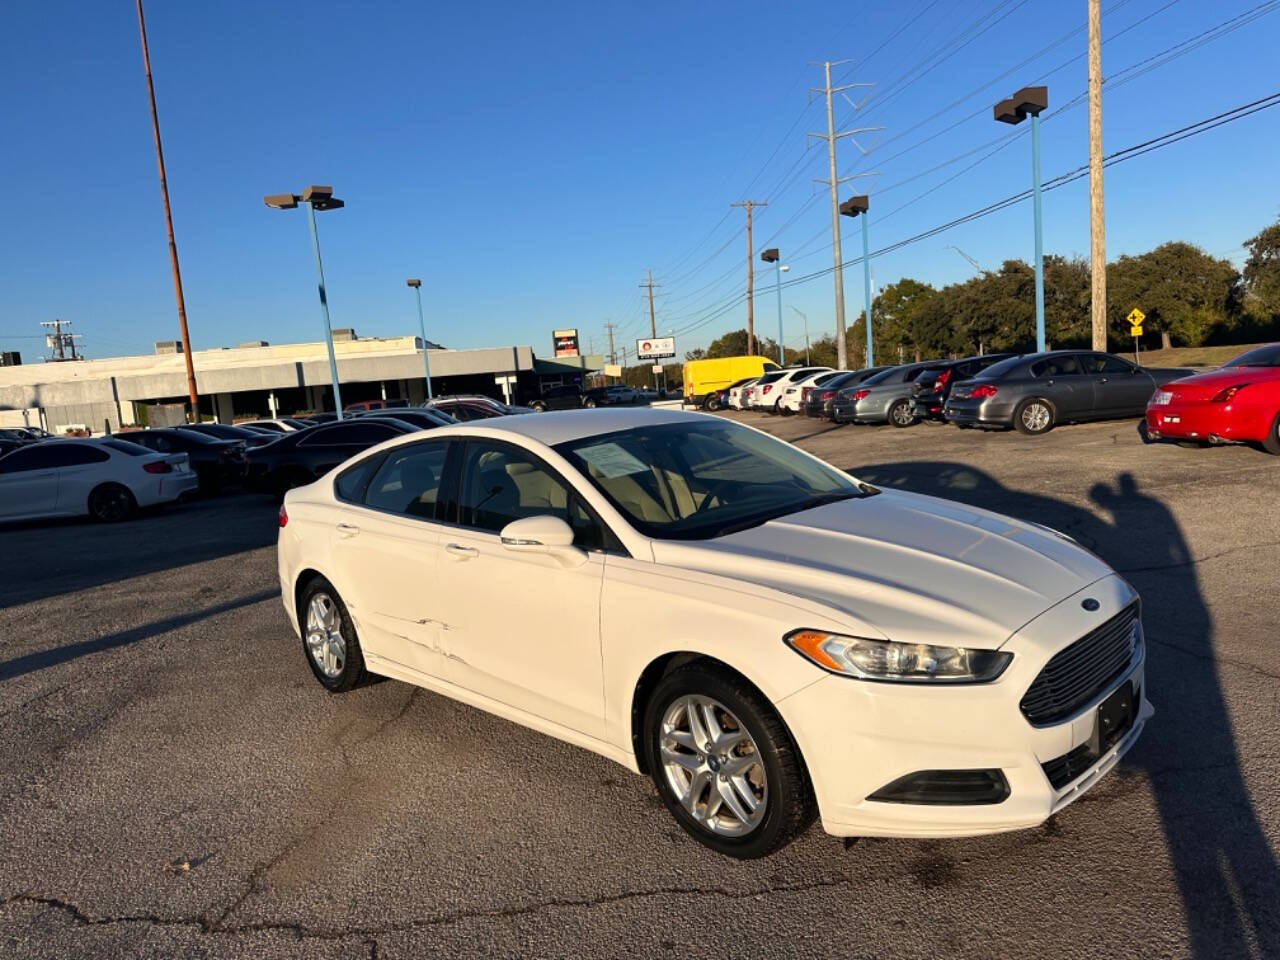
{"x":1097,"y":222}
{"x":751,"y":277}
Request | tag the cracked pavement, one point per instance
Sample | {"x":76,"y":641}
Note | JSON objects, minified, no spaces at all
{"x":173,"y":782}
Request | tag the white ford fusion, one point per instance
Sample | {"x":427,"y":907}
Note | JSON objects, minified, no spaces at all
{"x":764,"y":635}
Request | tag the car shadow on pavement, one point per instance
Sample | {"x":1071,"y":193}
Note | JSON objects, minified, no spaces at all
{"x":31,"y":662}
{"x":45,"y":559}
{"x":1227,"y":874}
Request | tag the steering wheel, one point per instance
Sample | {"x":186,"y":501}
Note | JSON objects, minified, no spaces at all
{"x":709,"y":493}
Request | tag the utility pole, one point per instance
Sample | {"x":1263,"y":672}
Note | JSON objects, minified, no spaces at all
{"x":751,"y":277}
{"x":834,"y":181}
{"x":609,"y":328}
{"x":168,"y":221}
{"x":1097,"y":223}
{"x":653,"y":328}
{"x":60,"y":342}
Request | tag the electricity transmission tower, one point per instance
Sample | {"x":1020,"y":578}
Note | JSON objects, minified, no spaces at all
{"x":60,"y":342}
{"x":750,"y":205}
{"x":834,"y":181}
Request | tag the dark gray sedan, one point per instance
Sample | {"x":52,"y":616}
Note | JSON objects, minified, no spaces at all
{"x":1035,"y":391}
{"x":883,"y":398}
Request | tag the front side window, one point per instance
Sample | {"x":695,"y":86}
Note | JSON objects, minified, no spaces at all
{"x":1104,"y":363}
{"x":697,"y":481}
{"x":502,"y":483}
{"x":409,"y":481}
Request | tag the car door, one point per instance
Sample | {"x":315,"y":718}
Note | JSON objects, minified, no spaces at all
{"x":1060,"y":380}
{"x":522,"y":629}
{"x":1119,"y":388}
{"x":387,"y":545}
{"x":80,"y":469}
{"x":29,"y":481}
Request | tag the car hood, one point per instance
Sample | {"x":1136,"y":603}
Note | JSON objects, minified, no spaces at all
{"x":904,"y":567}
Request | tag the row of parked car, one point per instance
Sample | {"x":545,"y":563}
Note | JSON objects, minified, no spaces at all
{"x":109,"y":478}
{"x":1032,"y":393}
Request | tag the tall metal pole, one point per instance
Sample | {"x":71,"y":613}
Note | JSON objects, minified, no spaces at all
{"x":866,"y":290}
{"x":1097,"y":222}
{"x":751,"y":276}
{"x":1035,"y":184}
{"x":842,"y":349}
{"x":324,"y":311}
{"x":168,"y":222}
{"x":805,"y":317}
{"x":777,"y":272}
{"x":422,"y":329}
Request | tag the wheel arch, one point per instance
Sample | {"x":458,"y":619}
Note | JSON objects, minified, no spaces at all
{"x":304,"y":579}
{"x":666,"y":663}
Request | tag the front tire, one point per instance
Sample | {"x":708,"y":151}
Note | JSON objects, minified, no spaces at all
{"x":749,"y":794}
{"x":111,"y":503}
{"x":329,"y":639}
{"x":590,"y":404}
{"x":1272,"y":442}
{"x":1033,"y":417}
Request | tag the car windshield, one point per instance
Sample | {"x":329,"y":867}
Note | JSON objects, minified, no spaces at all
{"x":1268,"y":356}
{"x":682,"y":481}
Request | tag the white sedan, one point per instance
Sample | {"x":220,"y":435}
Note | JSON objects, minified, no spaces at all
{"x":106,"y":479}
{"x":765,"y":636}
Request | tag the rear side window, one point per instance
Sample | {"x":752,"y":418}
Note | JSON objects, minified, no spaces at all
{"x":124,"y":446}
{"x":351,"y":483}
{"x":408,"y":482}
{"x":1056,"y":367}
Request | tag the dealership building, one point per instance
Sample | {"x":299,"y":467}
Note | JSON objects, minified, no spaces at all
{"x":256,"y":379}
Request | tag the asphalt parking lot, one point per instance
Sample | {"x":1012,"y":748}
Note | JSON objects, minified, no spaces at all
{"x":173,"y":782}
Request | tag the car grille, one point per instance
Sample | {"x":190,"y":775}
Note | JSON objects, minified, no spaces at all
{"x":1083,"y":670}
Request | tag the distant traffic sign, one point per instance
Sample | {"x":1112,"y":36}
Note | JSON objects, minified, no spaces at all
{"x":1135,"y":319}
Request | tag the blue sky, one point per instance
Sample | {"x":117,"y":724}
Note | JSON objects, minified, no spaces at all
{"x":530,"y":161}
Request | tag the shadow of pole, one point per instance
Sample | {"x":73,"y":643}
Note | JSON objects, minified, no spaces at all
{"x":1227,"y":874}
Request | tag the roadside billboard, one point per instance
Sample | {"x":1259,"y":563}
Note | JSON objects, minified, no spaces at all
{"x":566,"y":342}
{"x":656,"y":348}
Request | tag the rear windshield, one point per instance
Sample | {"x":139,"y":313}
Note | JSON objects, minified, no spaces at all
{"x":998,"y":370}
{"x":124,"y":446}
{"x":770,"y":377}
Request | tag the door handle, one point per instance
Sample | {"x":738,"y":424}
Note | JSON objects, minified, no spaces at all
{"x":459,"y":552}
{"x":347,"y":530}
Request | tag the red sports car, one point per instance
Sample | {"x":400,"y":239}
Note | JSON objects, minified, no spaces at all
{"x":1239,"y":403}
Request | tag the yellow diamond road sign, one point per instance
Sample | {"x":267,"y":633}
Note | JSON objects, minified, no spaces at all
{"x":1135,"y":319}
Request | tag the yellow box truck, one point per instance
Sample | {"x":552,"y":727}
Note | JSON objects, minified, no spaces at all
{"x":703,"y":379}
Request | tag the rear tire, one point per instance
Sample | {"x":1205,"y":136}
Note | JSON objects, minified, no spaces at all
{"x":1272,"y":442}
{"x":111,"y":503}
{"x":713,"y":403}
{"x":329,"y":640}
{"x":710,"y":806}
{"x":1033,"y":417}
{"x":900,"y":414}
{"x":537,"y":406}
{"x":590,"y":404}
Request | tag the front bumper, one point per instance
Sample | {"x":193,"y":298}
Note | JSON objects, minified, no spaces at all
{"x":857,"y":737}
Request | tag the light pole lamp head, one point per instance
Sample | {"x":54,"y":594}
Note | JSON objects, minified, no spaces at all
{"x":1029,"y":101}
{"x":321,"y":198}
{"x":281,"y":201}
{"x":770,"y":256}
{"x":855,"y":205}
{"x":784,"y":268}
{"x":413,"y":282}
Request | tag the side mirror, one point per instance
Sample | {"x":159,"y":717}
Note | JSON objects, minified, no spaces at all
{"x":543,"y":534}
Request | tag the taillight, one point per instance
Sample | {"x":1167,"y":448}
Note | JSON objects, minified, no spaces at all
{"x":157,"y":466}
{"x":827,"y":395}
{"x":983,"y":390}
{"x":284,"y":516}
{"x":767,"y":388}
{"x":941,"y":382}
{"x":1224,"y":396}
{"x":861,"y":394}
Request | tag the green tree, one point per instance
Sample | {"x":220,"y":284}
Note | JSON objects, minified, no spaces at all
{"x":1186,"y":294}
{"x":1262,"y":275}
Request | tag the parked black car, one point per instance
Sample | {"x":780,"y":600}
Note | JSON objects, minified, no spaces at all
{"x":420,"y":417}
{"x":1034,"y":392}
{"x":223,"y":431}
{"x":300,"y":457}
{"x":567,"y":396}
{"x":472,"y":407}
{"x":930,"y":390}
{"x":823,"y":397}
{"x":216,"y":462}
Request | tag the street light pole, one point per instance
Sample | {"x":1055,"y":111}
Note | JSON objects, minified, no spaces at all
{"x":422,"y":329}
{"x":1031,"y":100}
{"x":316,"y":198}
{"x":771,"y":256}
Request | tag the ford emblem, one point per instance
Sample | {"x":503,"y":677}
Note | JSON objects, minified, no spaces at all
{"x":1090,"y":604}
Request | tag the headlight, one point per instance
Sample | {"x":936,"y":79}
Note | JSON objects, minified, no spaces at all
{"x":897,"y":662}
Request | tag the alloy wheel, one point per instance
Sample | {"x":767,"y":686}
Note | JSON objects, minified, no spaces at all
{"x":325,"y":642}
{"x":713,"y":766}
{"x":1035,"y":417}
{"x":902,"y":415}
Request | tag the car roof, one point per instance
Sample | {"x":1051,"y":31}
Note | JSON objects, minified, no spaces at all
{"x":557,"y":427}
